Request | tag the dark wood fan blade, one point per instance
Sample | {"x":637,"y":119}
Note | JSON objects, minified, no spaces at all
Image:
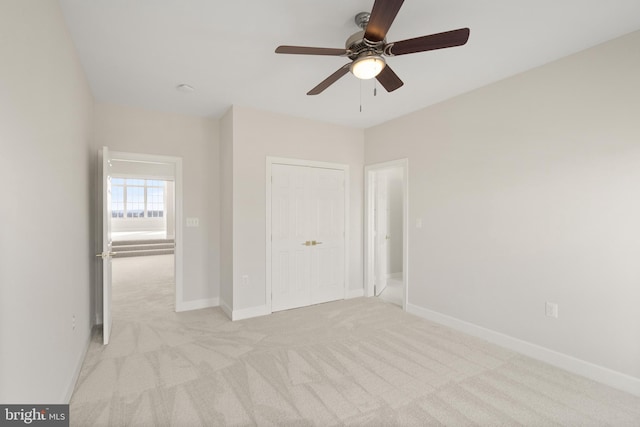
{"x":330,"y":80}
{"x":389,"y":80}
{"x":303,"y":50}
{"x":382,"y":16}
{"x":431,"y":42}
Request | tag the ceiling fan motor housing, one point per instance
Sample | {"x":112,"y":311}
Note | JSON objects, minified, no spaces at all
{"x":356,"y":45}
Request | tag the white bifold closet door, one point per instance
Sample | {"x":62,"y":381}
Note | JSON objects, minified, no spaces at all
{"x":307,"y":242}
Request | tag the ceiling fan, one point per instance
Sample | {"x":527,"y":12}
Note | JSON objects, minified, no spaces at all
{"x":366,"y":48}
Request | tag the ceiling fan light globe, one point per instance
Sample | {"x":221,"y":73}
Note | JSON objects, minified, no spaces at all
{"x":367,"y":67}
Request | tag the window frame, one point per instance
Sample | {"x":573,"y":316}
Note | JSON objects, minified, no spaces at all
{"x":145,"y":186}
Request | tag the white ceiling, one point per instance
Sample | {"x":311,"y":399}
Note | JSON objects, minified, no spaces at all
{"x":137,"y":52}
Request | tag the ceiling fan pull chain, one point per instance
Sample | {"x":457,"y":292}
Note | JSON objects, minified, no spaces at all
{"x":375,"y":88}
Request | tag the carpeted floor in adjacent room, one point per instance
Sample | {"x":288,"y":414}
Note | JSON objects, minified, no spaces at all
{"x":361,"y":361}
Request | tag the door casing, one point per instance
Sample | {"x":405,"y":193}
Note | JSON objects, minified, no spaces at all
{"x":178,"y":195}
{"x":369,"y":239}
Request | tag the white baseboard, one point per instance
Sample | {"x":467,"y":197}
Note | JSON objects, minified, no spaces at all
{"x":226,"y":309}
{"x":198,"y":304}
{"x":76,"y":373}
{"x":247,"y":313}
{"x":355,"y":293}
{"x":263,"y":310}
{"x":569,"y":363}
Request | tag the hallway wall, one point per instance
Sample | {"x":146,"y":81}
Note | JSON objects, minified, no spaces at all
{"x":196,"y":141}
{"x":45,"y":253}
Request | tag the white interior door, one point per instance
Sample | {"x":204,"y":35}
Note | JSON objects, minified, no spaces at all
{"x":381,"y":217}
{"x":327,"y":231}
{"x":106,"y":245}
{"x":307,"y":236}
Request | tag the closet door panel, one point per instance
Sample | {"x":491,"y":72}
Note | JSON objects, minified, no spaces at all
{"x":291,"y":259}
{"x":327,"y":283}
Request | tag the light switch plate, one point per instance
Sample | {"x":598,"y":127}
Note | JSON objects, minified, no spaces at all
{"x":193,"y":222}
{"x":551,"y":309}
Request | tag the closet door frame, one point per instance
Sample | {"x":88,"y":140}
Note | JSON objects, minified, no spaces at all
{"x":314,"y":164}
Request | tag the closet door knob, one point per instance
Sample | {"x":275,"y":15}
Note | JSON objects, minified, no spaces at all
{"x":313,"y":243}
{"x":307,"y":243}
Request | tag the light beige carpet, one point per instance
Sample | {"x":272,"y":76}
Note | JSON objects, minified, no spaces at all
{"x":360,"y":362}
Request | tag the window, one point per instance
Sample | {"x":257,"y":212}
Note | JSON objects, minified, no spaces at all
{"x":137,"y":198}
{"x":155,"y":199}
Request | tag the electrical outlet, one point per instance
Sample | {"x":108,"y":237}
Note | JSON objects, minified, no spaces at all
{"x":245,"y":279}
{"x":551,"y":309}
{"x":73,"y":322}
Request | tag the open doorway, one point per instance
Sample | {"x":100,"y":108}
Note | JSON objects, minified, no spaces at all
{"x":142,"y":233}
{"x":386,"y":248}
{"x":143,"y":241}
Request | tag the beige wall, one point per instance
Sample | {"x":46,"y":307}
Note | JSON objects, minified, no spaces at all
{"x":195,"y":140}
{"x":256,"y":135}
{"x":45,"y":250}
{"x":528,"y":190}
{"x":226,"y":212}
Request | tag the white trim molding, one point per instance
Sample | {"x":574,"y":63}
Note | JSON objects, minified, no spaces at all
{"x":564,"y":361}
{"x":198,"y":304}
{"x":247,"y":313}
{"x":369,"y":199}
{"x":76,"y":373}
{"x":226,"y":309}
{"x":355,"y":293}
